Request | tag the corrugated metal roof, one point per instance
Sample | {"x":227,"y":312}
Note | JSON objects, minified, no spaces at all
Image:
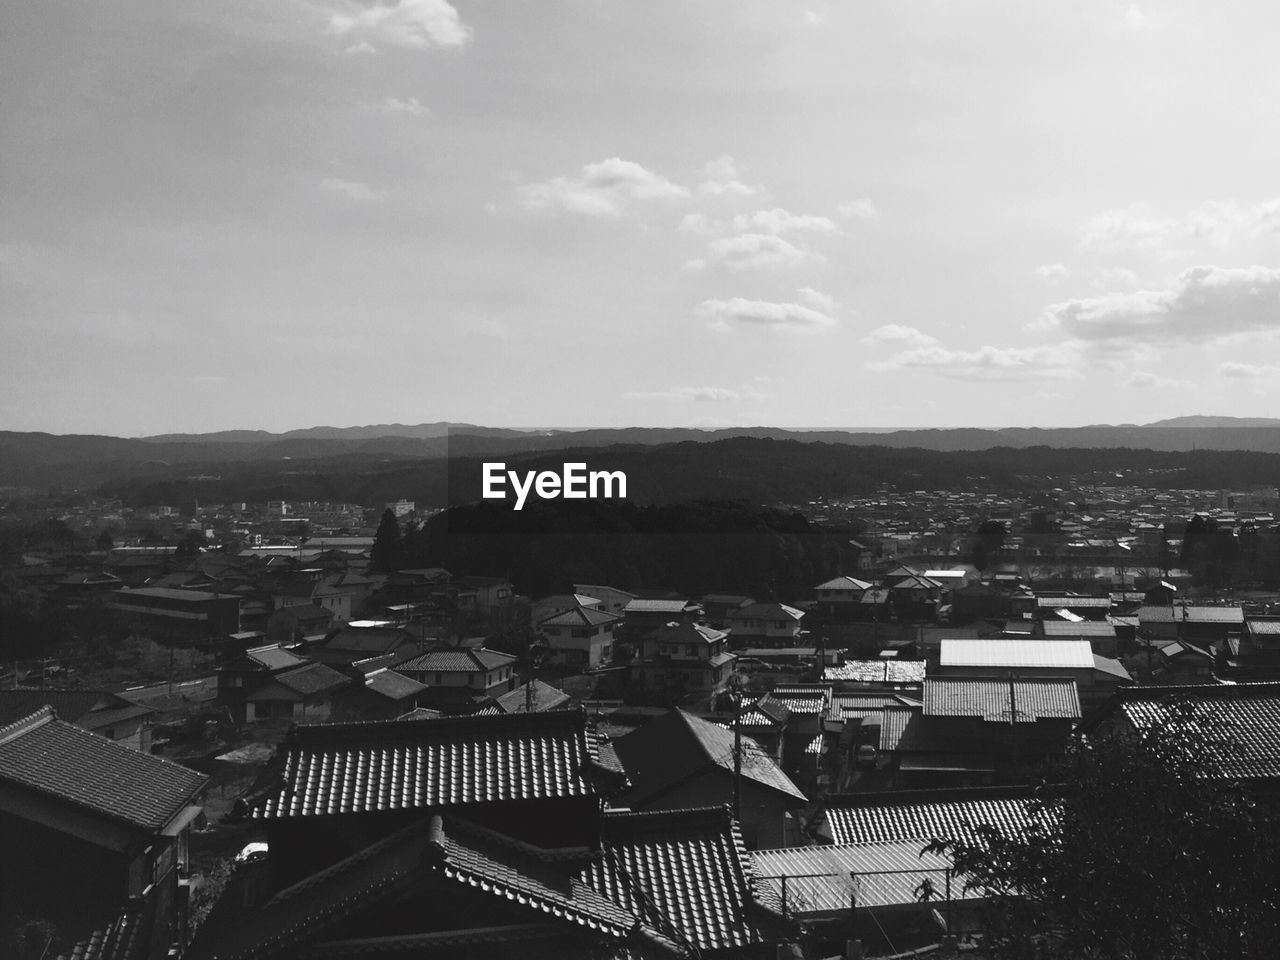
{"x":656,"y":606}
{"x":1190,"y":614}
{"x":1085,"y":628}
{"x":1008,"y":653}
{"x":407,"y":765}
{"x":46,"y":755}
{"x":922,"y":815}
{"x":839,"y":863}
{"x":273,"y":657}
{"x":1002,"y":700}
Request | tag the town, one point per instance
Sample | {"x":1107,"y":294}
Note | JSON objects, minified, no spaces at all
{"x":266,"y":733}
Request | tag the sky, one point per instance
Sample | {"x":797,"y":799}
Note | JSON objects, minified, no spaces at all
{"x":579,"y":213}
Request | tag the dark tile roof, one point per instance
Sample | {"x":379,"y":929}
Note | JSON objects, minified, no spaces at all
{"x":1249,"y":711}
{"x":370,"y":640}
{"x":923,"y":814}
{"x":994,"y":699}
{"x":545,"y":697}
{"x":672,"y":748}
{"x":122,"y":939}
{"x":312,"y":678}
{"x":90,"y":709}
{"x":685,"y":873}
{"x":402,"y":765}
{"x":458,"y":661}
{"x":51,"y":757}
{"x":392,"y":685}
{"x":579,"y":617}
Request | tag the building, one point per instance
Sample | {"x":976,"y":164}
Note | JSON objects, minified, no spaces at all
{"x":98,"y":711}
{"x":461,"y":678}
{"x":684,"y":659}
{"x":841,"y":598}
{"x":1095,"y":676}
{"x":580,"y":637}
{"x":304,"y":693}
{"x":765,"y":625}
{"x":640,"y":617}
{"x":95,"y":833}
{"x":182,"y":615}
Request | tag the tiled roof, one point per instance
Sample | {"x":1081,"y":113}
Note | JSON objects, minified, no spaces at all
{"x":579,"y":617}
{"x":402,"y":765}
{"x":48,"y":756}
{"x":672,"y":748}
{"x":768,"y":711}
{"x":371,"y":640}
{"x":85,"y":708}
{"x":877,"y":671}
{"x":993,"y":699}
{"x":1190,"y":614}
{"x":888,"y":874}
{"x":765,"y":611}
{"x":684,"y":872}
{"x":921,"y":815}
{"x":274,"y":657}
{"x":656,"y":606}
{"x":686,"y":633}
{"x":122,"y":939}
{"x":1250,"y":711}
{"x":802,"y":698}
{"x":392,"y":685}
{"x":458,"y":661}
{"x":1085,"y":628}
{"x":312,"y":678}
{"x":545,"y":697}
{"x":844,"y":583}
{"x":999,"y":653}
{"x":904,"y":729}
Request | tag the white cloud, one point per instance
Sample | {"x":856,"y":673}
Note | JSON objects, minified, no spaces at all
{"x":896,"y":333}
{"x":352,"y":189}
{"x":778,"y":220}
{"x":1247,"y":371}
{"x":1120,"y":230}
{"x":1052,"y":271}
{"x":698,"y":394}
{"x":748,"y":251}
{"x":817,"y":299}
{"x":603,"y":189}
{"x":986,"y":363}
{"x":401,"y":23}
{"x":1113,"y":277}
{"x":410,"y":106}
{"x":738,"y":311}
{"x":696,"y":223}
{"x":1205,"y":303}
{"x":1144,"y":380}
{"x":1135,"y":17}
{"x":1217,"y":223}
{"x":363,"y":47}
{"x":860,"y":209}
{"x":721,"y":178}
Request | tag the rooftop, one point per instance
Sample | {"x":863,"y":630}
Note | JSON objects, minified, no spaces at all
{"x":1000,"y":701}
{"x":922,"y":815}
{"x":1007,"y":653}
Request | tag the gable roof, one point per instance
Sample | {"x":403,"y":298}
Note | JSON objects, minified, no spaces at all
{"x":579,"y":617}
{"x":409,"y":765}
{"x":89,"y":709}
{"x":312,"y":678}
{"x":545,"y":697}
{"x":371,"y":640}
{"x":765,"y":611}
{"x":670,"y":749}
{"x":994,"y":700}
{"x":392,"y":685}
{"x":922,"y":815}
{"x":48,"y":756}
{"x":1005,"y":653}
{"x":455,"y":660}
{"x":844,"y":583}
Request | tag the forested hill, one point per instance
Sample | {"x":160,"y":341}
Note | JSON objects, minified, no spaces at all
{"x":758,"y":471}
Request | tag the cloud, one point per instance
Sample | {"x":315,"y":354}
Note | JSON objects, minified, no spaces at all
{"x":860,"y":209}
{"x":817,"y":299}
{"x":1205,"y":303}
{"x":721,"y":178}
{"x":778,"y":220}
{"x":1217,"y":223}
{"x":603,"y":189}
{"x":1144,"y":380}
{"x":986,"y":363}
{"x":411,"y":106}
{"x":895,"y":333}
{"x":698,"y":394}
{"x":1052,"y":271}
{"x":696,"y":223}
{"x":1129,"y":229}
{"x":737,"y":311}
{"x":1135,"y":17}
{"x":401,"y":23}
{"x":353,"y":189}
{"x":364,"y":46}
{"x":1247,"y":371}
{"x":1113,"y":277}
{"x":749,"y":251}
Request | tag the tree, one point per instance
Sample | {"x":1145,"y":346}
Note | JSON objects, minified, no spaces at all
{"x":105,"y":541}
{"x":1137,"y":848}
{"x":987,"y":541}
{"x":387,"y":552}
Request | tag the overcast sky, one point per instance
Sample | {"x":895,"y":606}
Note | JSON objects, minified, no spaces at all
{"x":284,"y":213}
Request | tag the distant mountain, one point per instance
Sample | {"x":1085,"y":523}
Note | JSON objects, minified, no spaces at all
{"x":418,"y":431}
{"x":1216,"y":423}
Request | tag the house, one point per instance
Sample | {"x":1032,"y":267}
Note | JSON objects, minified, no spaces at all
{"x":1101,"y":634}
{"x":610,"y":599}
{"x":107,"y":714}
{"x":913,"y":595}
{"x":684,"y":660}
{"x":640,"y":617}
{"x":94,"y":831}
{"x":887,"y":673}
{"x":295,"y":622}
{"x":1095,"y":677}
{"x":765,"y":625}
{"x":679,"y":760}
{"x":580,"y":637}
{"x":249,"y":672}
{"x":1205,"y":625}
{"x":1071,"y":607}
{"x":311,"y":590}
{"x":535,"y":777}
{"x":1248,"y":713}
{"x":532,"y":697}
{"x":307,"y":692}
{"x":841,"y":597}
{"x":485,"y":595}
{"x":460,"y":679}
{"x":549,"y":606}
{"x":646,"y":886}
{"x":920,"y":816}
{"x":718,"y":606}
{"x":354,"y":642}
{"x":381,"y":694}
{"x":973,"y":731}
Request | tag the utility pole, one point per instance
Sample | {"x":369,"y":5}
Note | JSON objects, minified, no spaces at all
{"x":737,"y":756}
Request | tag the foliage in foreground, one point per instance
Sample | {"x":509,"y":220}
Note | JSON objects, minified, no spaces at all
{"x":1137,"y":848}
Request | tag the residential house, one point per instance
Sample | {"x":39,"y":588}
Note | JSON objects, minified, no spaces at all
{"x":1072,"y":608}
{"x":640,"y":617}
{"x":533,"y":697}
{"x":920,"y":816}
{"x":249,"y":672}
{"x":359,"y":642}
{"x":678,"y":760}
{"x":304,"y":693}
{"x":549,"y":606}
{"x":1210,"y":626}
{"x":841,"y":597}
{"x":95,"y":833}
{"x":298,"y":622}
{"x":684,"y":660}
{"x":304,"y":590}
{"x":718,"y":606}
{"x":611,"y":599}
{"x":380,"y":694}
{"x":765,"y":625}
{"x":580,"y":637}
{"x":460,"y":680}
{"x":1095,"y":677}
{"x":107,"y":714}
